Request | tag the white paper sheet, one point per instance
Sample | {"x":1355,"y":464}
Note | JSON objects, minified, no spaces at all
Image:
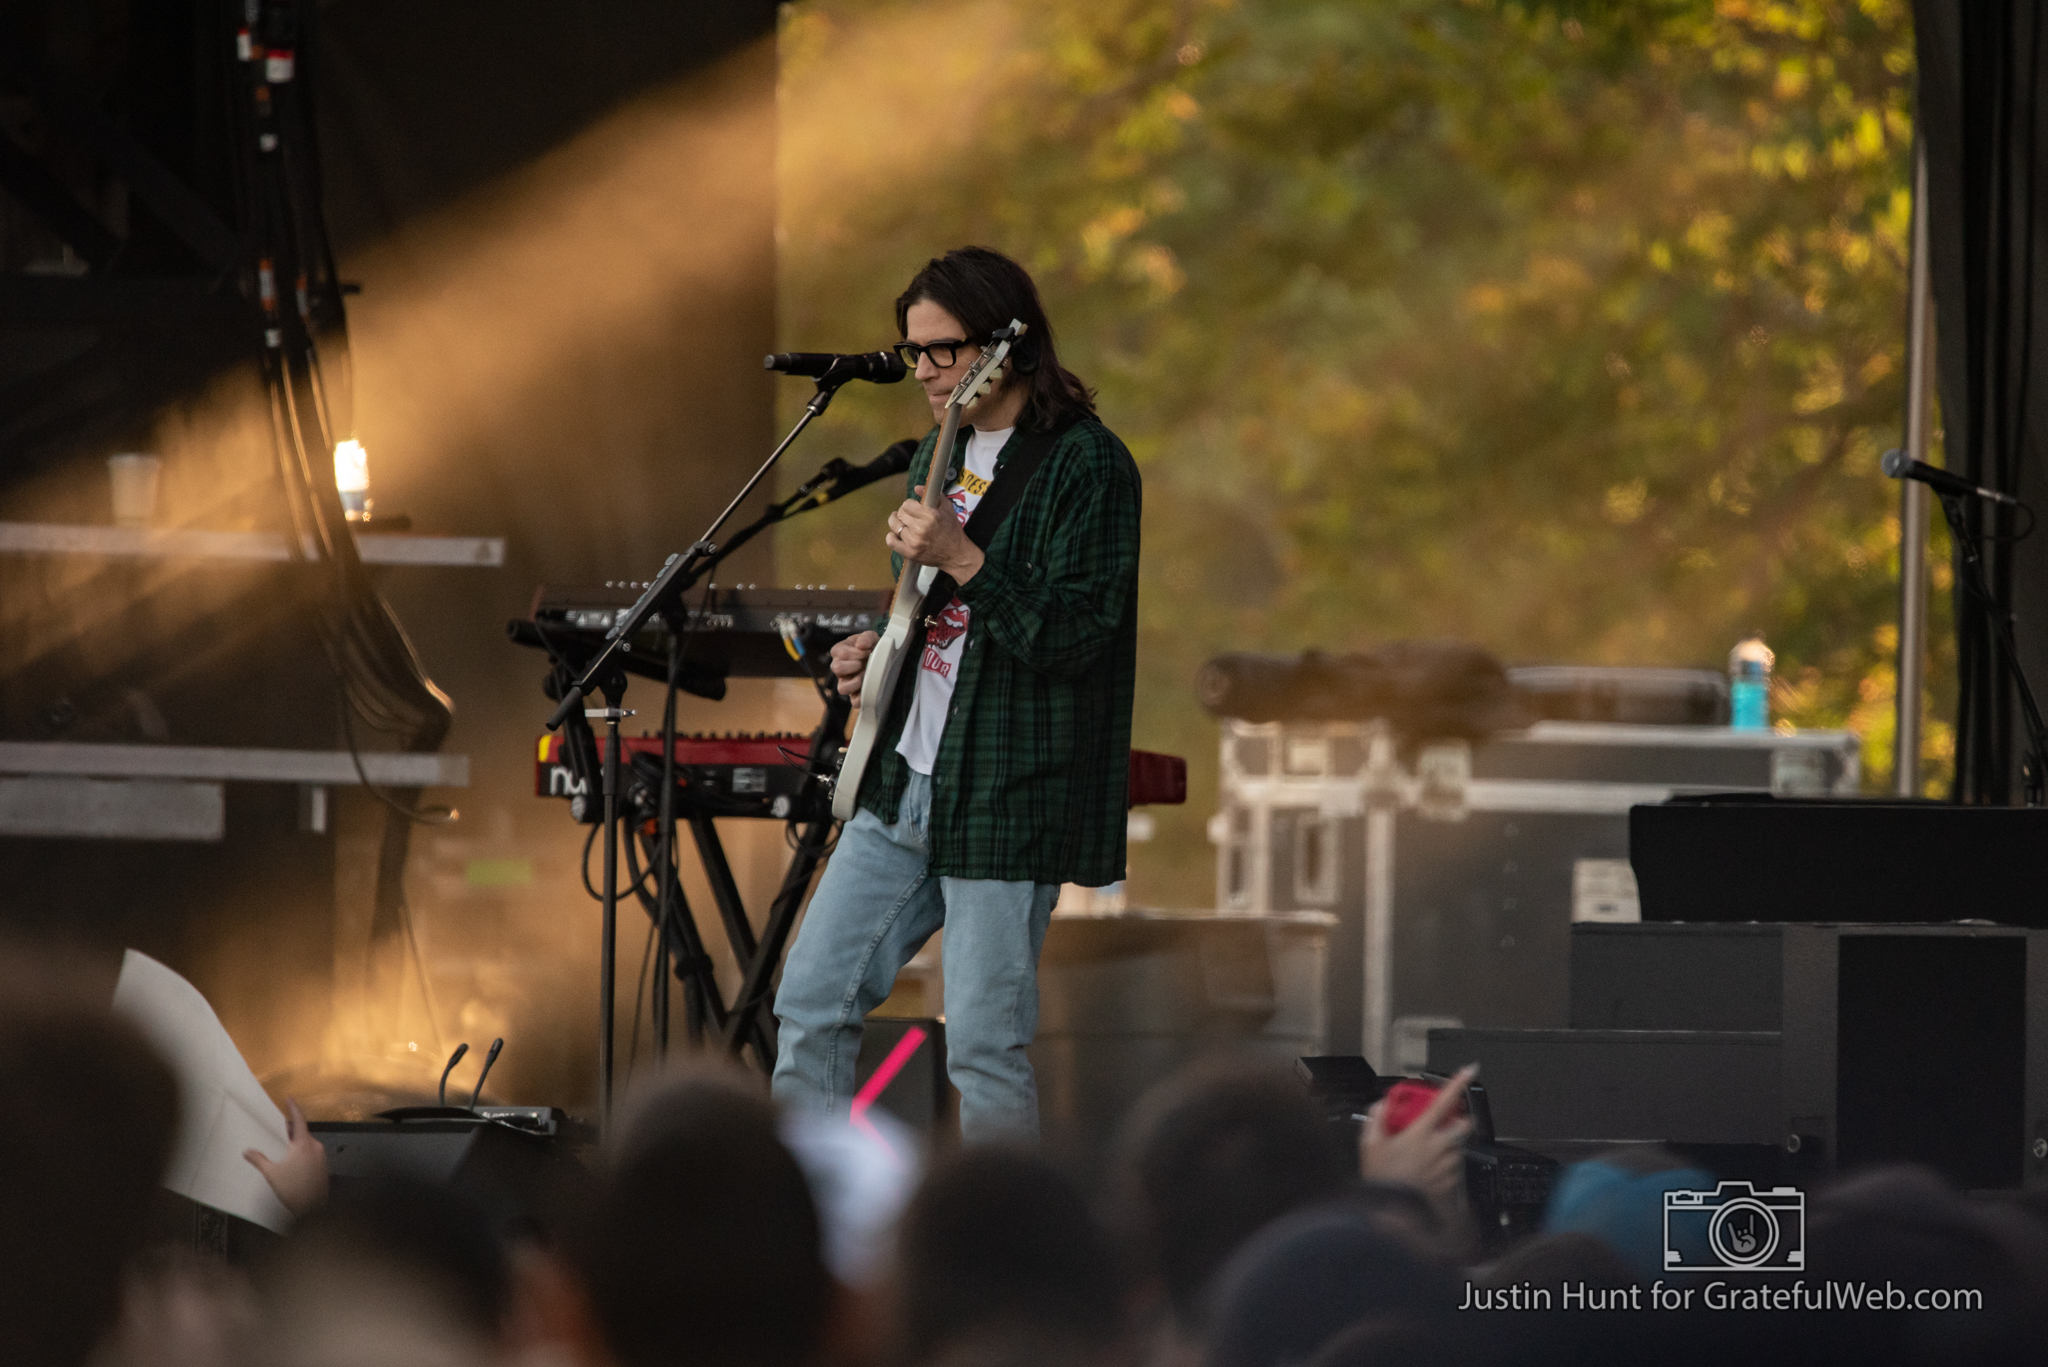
{"x":223,"y":1109}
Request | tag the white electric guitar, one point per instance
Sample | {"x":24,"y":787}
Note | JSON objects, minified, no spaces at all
{"x":878,"y":685}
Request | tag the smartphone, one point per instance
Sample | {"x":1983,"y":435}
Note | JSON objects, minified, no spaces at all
{"x":1408,"y":1099}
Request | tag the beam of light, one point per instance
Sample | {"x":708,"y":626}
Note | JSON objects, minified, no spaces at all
{"x":879,"y":114}
{"x":482,"y":323}
{"x":868,"y":1095}
{"x":533,"y":324}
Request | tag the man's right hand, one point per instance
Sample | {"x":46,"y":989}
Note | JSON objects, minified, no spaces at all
{"x":850,"y":661}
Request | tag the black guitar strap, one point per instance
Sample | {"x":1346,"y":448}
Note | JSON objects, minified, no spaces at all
{"x":988,"y":515}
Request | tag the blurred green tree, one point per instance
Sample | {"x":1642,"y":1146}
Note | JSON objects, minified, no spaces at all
{"x":1574,"y":330}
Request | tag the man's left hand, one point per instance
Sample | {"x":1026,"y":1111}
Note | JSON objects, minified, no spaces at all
{"x":933,"y":536}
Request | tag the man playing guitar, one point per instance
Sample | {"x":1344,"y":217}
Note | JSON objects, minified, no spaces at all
{"x":1000,"y":769}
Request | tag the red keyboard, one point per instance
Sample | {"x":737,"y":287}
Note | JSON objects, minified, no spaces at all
{"x":764,"y":775}
{"x":759,"y":775}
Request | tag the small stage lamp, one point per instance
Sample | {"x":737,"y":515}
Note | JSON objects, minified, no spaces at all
{"x":352,"y":479}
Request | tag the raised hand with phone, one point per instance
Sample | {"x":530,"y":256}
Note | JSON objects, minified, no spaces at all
{"x":1415,"y":1135}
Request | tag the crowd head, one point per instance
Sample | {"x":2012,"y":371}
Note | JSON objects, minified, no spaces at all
{"x":89,"y":1115}
{"x":704,"y":1232}
{"x":1207,"y":1159}
{"x":398,"y":1269}
{"x":998,"y":1245}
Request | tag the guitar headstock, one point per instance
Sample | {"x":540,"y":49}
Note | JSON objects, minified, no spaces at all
{"x":987,"y":371}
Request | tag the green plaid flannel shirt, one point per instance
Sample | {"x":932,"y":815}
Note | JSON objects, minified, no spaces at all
{"x":1032,"y":774}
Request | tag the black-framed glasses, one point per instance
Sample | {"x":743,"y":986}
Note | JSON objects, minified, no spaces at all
{"x":943,"y":354}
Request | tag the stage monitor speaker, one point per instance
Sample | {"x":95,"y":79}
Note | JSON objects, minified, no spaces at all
{"x":1931,"y":1050}
{"x":515,"y":1175}
{"x":1820,"y":862}
{"x":902,"y":1070}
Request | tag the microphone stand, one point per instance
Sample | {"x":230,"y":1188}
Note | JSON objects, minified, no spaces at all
{"x":683,"y":568}
{"x":776,"y":512}
{"x":678,"y":573}
{"x":2031,"y":767}
{"x":613,"y":685}
{"x":815,"y":492}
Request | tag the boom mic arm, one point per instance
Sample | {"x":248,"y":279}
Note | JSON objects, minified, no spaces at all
{"x":830,"y":483}
{"x":835,"y":479}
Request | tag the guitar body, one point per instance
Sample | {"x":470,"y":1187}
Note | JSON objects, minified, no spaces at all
{"x":885,"y":663}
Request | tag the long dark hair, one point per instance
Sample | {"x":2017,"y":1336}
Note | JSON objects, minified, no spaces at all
{"x":984,"y":290}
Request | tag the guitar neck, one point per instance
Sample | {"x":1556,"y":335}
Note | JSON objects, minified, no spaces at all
{"x":907,"y":595}
{"x":942,"y":458}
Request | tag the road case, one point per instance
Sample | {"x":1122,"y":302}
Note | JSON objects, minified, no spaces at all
{"x":1454,"y":869}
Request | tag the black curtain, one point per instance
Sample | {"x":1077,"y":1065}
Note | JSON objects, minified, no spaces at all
{"x":1981,"y":117}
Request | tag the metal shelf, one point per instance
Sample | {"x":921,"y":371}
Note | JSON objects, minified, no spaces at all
{"x":231,"y":764}
{"x":173,"y":792}
{"x":152,"y":543}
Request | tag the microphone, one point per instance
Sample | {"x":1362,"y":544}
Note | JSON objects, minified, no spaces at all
{"x":838,"y":479}
{"x":1899,"y":465}
{"x":893,"y":461}
{"x":880,"y":367}
{"x":489,"y":1059}
{"x":453,"y":1059}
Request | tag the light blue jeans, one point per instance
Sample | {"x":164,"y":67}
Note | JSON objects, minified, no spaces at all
{"x":874,"y":908}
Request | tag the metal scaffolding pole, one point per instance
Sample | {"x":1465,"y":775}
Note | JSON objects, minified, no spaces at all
{"x":1913,"y":497}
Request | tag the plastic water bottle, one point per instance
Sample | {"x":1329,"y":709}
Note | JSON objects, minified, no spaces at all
{"x":1749,"y":684}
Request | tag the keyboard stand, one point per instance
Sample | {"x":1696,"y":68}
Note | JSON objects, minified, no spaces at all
{"x":748,"y":1020}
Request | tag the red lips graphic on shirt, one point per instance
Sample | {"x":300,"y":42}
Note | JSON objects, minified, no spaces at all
{"x":941,"y":634}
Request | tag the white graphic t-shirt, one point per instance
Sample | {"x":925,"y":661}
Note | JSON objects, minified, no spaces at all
{"x":938,"y":667}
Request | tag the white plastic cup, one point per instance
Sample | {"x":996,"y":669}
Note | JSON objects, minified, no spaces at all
{"x":135,"y":478}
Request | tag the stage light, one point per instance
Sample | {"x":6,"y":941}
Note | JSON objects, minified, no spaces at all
{"x":352,"y":479}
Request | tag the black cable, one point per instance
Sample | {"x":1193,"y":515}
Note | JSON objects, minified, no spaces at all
{"x":277,"y":194}
{"x":422,"y":816}
{"x":435,"y":816}
{"x":637,"y":887}
{"x":2012,"y":538}
{"x":640,"y":991}
{"x":2015,"y":308}
{"x":584,"y":862}
{"x":2034,"y":766}
{"x":377,"y":674}
{"x":380,"y":679}
{"x":795,"y":841}
{"x":262,"y":218}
